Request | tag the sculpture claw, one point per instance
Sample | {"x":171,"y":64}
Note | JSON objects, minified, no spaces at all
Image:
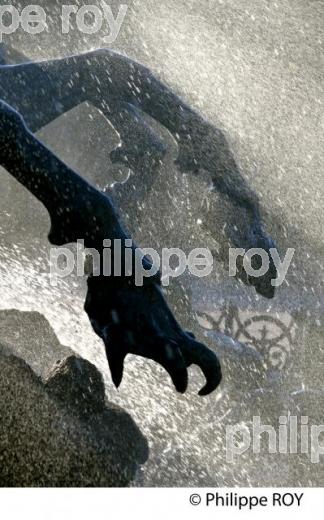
{"x":137,"y":320}
{"x":198,"y":354}
{"x":116,"y":359}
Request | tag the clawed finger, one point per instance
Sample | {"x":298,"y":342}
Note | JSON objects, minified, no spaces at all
{"x":196,"y":353}
{"x":172,"y":360}
{"x":116,"y":359}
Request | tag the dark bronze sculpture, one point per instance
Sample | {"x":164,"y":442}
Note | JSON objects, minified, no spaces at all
{"x":128,"y":318}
